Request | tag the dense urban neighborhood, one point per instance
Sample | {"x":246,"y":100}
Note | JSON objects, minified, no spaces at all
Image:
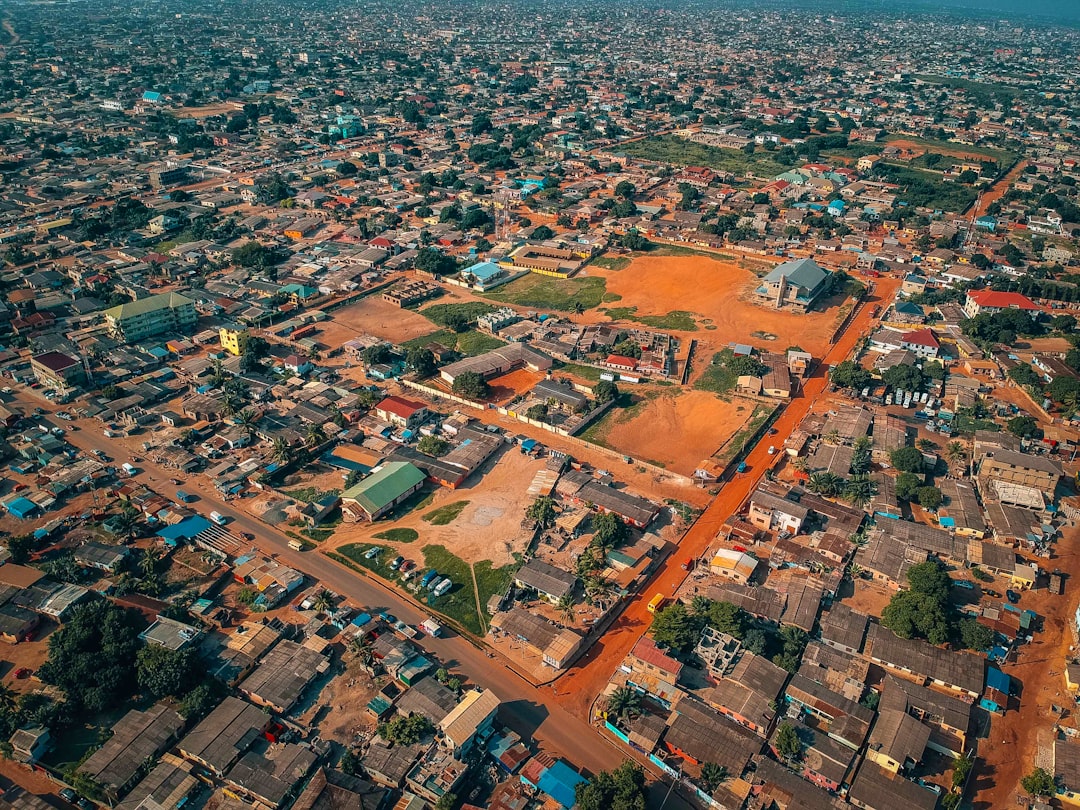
{"x":525,"y":407}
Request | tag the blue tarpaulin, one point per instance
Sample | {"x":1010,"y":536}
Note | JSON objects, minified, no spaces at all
{"x":998,"y":681}
{"x":186,"y":528}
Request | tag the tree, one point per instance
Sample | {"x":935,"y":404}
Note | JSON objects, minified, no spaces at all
{"x":625,"y":189}
{"x":1039,"y":782}
{"x":20,"y":546}
{"x":283,"y":452}
{"x":903,"y":378}
{"x":1024,"y":427}
{"x":961,"y":767}
{"x":406,"y":730}
{"x":374,"y":355}
{"x":542,"y":233}
{"x":728,"y":618}
{"x":929,"y":497}
{"x":910,"y":614}
{"x":430,"y":260}
{"x":92,"y":657}
{"x":605,"y":391}
{"x":537,"y":412}
{"x":608,"y":530}
{"x":434,"y":446}
{"x":446,"y":802}
{"x":825,"y":483}
{"x":471,"y":385}
{"x":316,"y":435}
{"x":421,"y":361}
{"x":907,"y":459}
{"x":542,"y":511}
{"x":565,"y":607}
{"x":931,"y":579}
{"x":1026,"y":376}
{"x":860,"y":490}
{"x":620,"y":789}
{"x":793,"y":641}
{"x":675,"y":628}
{"x":713,"y":776}
{"x":163,"y":672}
{"x":1063,"y":323}
{"x":907,"y":486}
{"x":849,"y":374}
{"x":623,"y":701}
{"x":786,"y":742}
{"x":975,"y":636}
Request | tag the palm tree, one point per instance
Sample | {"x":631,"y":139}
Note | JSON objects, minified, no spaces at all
{"x":283,"y":453}
{"x":854,"y":570}
{"x":125,"y":522}
{"x":599,"y":591}
{"x":565,"y":606}
{"x":832,"y":437}
{"x":713,"y":776}
{"x":825,"y":483}
{"x":315,"y":435}
{"x":148,"y":563}
{"x":623,"y":701}
{"x":323,"y":601}
{"x":956,"y":453}
{"x":7,"y":699}
{"x":859,"y":490}
{"x":800,"y":464}
{"x":247,"y":419}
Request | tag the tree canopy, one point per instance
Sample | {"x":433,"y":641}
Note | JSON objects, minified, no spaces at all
{"x":620,"y":789}
{"x":471,"y":385}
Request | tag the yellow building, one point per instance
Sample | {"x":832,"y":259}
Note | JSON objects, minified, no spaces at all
{"x":233,"y":340}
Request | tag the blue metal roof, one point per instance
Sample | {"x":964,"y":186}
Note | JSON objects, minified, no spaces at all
{"x":559,"y":782}
{"x":998,"y":680}
{"x":186,"y":528}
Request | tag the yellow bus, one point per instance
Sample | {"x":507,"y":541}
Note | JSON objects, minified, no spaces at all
{"x":657,"y":602}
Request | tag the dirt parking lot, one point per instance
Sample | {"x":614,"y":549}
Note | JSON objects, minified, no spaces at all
{"x":488,"y":528}
{"x":373,"y":316}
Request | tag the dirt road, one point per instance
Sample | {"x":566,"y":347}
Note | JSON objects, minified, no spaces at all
{"x":581,"y":684}
{"x":997,"y":191}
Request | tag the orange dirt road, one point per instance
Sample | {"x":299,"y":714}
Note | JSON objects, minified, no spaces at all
{"x":997,"y":191}
{"x":580,"y":685}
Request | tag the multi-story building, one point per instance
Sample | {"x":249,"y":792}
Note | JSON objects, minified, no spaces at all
{"x":57,"y":370}
{"x":147,"y":317}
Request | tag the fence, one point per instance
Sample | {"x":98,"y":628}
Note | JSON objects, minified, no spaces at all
{"x":435,"y":392}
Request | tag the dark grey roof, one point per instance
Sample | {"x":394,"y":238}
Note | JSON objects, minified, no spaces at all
{"x":546,"y":578}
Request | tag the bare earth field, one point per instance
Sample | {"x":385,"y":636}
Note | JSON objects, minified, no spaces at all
{"x":510,"y":385}
{"x":374,"y":316}
{"x":718,"y":292}
{"x":676,"y":430}
{"x":224,"y":108}
{"x":487,"y":529}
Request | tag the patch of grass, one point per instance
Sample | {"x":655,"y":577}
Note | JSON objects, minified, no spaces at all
{"x":310,"y":494}
{"x":660,"y":249}
{"x":718,"y":378}
{"x":443,"y":336}
{"x":620,"y":313}
{"x":735,"y":444}
{"x":584,"y":372}
{"x":317,"y":535}
{"x":473,"y":343}
{"x":491,"y":580}
{"x":544,"y":292}
{"x":399,"y":535}
{"x":418,"y":500}
{"x":445,"y":514}
{"x":459,"y":603}
{"x":176,"y":239}
{"x":679,"y":151}
{"x":596,"y":432}
{"x":611,"y":262}
{"x":446,"y":314}
{"x":354,"y":553}
{"x":927,"y":189}
{"x":679,"y":320}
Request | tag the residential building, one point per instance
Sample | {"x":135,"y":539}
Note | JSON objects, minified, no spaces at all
{"x":233,"y":340}
{"x":58,"y":370}
{"x":137,"y":737}
{"x":220,"y":739}
{"x":551,"y":582}
{"x":992,"y":302}
{"x":148,"y":317}
{"x":470,"y":722}
{"x":402,"y":412}
{"x":793,"y":285}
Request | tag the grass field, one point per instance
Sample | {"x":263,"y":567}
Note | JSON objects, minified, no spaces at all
{"x":445,"y":514}
{"x":544,"y":292}
{"x":311,"y":494}
{"x":718,"y":378}
{"x":679,"y":320}
{"x":1002,"y":156}
{"x":928,"y":189}
{"x":399,"y":535}
{"x":585,"y":372}
{"x":446,"y":314}
{"x":984,"y":93}
{"x":611,"y":262}
{"x":468,"y":343}
{"x":681,"y":152}
{"x":736,"y":444}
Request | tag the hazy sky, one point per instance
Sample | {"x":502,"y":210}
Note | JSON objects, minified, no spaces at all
{"x":1062,"y":11}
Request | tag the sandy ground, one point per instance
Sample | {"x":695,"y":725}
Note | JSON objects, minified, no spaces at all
{"x":957,"y":152}
{"x":223,"y":108}
{"x":1037,"y":345}
{"x":677,"y":430}
{"x":1010,"y":751}
{"x":996,"y":191}
{"x":487,"y":529}
{"x":716,"y":291}
{"x":510,"y":385}
{"x":374,"y":316}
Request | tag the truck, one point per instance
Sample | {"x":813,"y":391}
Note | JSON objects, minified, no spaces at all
{"x":218,"y":518}
{"x":296,"y":545}
{"x":444,"y":585}
{"x":184,"y":497}
{"x":428,"y":577}
{"x":657,"y":602}
{"x":128,"y":468}
{"x":431,"y":627}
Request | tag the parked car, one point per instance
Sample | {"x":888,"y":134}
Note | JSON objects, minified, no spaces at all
{"x":991,"y":593}
{"x":372,"y":553}
{"x":395,"y":563}
{"x":1012,"y":596}
{"x":69,"y":795}
{"x":408,"y":565}
{"x":23,"y":672}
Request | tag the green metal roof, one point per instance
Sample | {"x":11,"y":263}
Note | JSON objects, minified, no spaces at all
{"x":151,"y":304}
{"x":385,"y":486}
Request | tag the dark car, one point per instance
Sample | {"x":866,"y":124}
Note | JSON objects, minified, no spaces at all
{"x":69,"y":794}
{"x":991,"y":593}
{"x":1012,"y":596}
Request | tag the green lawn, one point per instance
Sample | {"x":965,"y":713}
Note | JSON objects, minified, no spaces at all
{"x":467,"y":343}
{"x":718,"y":378}
{"x":353,"y":553}
{"x":545,"y":292}
{"x":923,"y":188}
{"x":611,"y":262}
{"x":679,"y":151}
{"x":585,"y":372}
{"x":445,"y":514}
{"x":491,"y":580}
{"x":400,"y":535}
{"x":310,"y":494}
{"x":445,"y":314}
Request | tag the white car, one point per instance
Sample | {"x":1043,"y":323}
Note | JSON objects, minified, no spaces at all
{"x":372,"y":553}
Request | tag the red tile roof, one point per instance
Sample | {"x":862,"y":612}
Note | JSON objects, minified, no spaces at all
{"x":399,"y":406}
{"x":921,"y":337}
{"x":648,"y":652}
{"x":1002,"y":300}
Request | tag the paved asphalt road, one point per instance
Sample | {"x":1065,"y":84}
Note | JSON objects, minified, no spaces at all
{"x":531,"y":712}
